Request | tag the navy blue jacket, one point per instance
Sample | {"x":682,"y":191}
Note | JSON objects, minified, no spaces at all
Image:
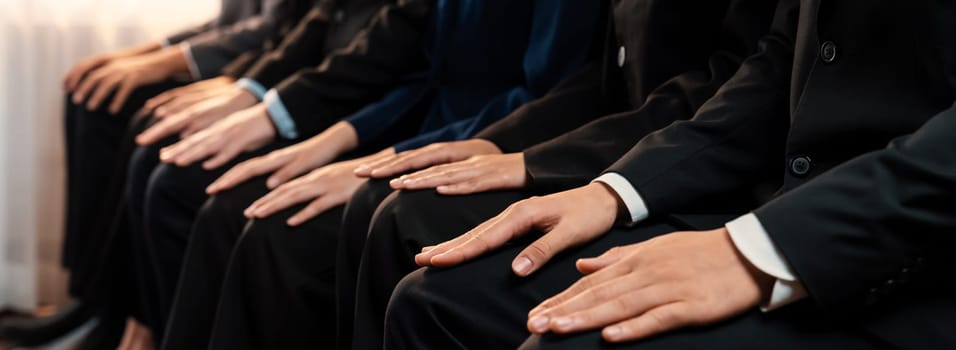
{"x":485,"y":59}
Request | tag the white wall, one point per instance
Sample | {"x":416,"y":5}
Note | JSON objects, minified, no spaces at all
{"x":39,"y":39}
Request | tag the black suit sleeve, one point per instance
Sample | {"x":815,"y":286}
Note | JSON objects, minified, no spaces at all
{"x":851,"y":229}
{"x":734,"y":139}
{"x":377,"y":59}
{"x":239,"y":66}
{"x":301,"y":48}
{"x":190,"y":32}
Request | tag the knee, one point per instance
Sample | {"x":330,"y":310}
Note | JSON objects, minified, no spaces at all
{"x":407,"y":298}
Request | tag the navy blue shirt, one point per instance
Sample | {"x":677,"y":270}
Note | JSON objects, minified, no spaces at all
{"x":487,"y":58}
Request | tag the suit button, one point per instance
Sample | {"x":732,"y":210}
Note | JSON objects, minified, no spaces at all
{"x":828,"y":52}
{"x":800,"y":166}
{"x":904,"y":277}
{"x":621,"y":56}
{"x":889,"y":287}
{"x":339,"y":16}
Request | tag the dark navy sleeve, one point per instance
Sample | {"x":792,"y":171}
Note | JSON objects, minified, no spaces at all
{"x":559,"y":46}
{"x":375,"y":119}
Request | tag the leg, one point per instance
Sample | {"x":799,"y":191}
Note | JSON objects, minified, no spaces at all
{"x":355,"y":225}
{"x":482,"y":304}
{"x":214,"y":234}
{"x":279,"y":285}
{"x":403,"y":225}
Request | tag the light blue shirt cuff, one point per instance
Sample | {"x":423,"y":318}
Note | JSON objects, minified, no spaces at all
{"x":253,"y":87}
{"x":283,"y":122}
{"x":190,"y":61}
{"x":632,"y":200}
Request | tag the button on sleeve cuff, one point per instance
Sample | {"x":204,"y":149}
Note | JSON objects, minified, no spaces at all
{"x":279,"y":115}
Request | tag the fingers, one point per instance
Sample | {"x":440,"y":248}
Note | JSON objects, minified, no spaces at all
{"x":516,"y":220}
{"x":542,"y":250}
{"x":285,"y":196}
{"x":80,"y":70}
{"x":106,"y":86}
{"x":191,"y":149}
{"x":161,"y":99}
{"x":441,"y":175}
{"x":411,"y":160}
{"x":162,"y":129}
{"x":285,"y":173}
{"x":247,"y":170}
{"x":88,"y":84}
{"x":614,"y":305}
{"x":425,"y":257}
{"x":656,"y":321}
{"x":223,"y":156}
{"x":590,"y":265}
{"x":582,"y":285}
{"x":316,"y":207}
{"x":125,"y":89}
{"x":178,"y":105}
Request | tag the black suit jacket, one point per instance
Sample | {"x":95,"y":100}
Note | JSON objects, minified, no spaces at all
{"x":866,"y":227}
{"x":677,"y":54}
{"x":328,"y":26}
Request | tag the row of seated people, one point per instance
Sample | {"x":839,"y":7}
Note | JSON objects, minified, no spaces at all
{"x":443,"y":174}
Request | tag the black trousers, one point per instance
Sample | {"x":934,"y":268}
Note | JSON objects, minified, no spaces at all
{"x":403,"y":224}
{"x":483,"y":305}
{"x":163,"y":201}
{"x":97,"y":151}
{"x":259,"y":284}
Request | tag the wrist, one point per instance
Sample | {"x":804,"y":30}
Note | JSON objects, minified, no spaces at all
{"x":763,"y":281}
{"x":608,"y":201}
{"x":173,"y":60}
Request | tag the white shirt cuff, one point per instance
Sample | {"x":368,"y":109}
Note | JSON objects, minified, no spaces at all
{"x":253,"y":87}
{"x":632,"y":200}
{"x":280,"y":115}
{"x":753,"y":242}
{"x":190,"y":61}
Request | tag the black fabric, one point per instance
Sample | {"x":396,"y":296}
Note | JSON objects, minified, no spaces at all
{"x":403,"y":224}
{"x":96,"y":155}
{"x":483,"y":305}
{"x":162,"y":203}
{"x":352,"y":236}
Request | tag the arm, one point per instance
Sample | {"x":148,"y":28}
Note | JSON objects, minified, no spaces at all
{"x":376,"y":60}
{"x":209,"y":52}
{"x":870,"y":223}
{"x":733,"y":140}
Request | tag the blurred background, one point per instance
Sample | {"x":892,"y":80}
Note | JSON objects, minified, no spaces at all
{"x":39,"y":40}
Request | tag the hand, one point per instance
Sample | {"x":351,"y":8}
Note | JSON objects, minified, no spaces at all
{"x":326,"y":188}
{"x":295,"y":160}
{"x":199,"y":116}
{"x":124,"y":75}
{"x":566,"y":218}
{"x":476,"y":174}
{"x":76,"y":73}
{"x":669,"y":282}
{"x":437,"y":153}
{"x":176,"y":100}
{"x":243,"y":131}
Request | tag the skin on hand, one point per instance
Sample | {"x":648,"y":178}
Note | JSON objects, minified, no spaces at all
{"x":178,"y":99}
{"x":436,"y":153}
{"x":121,"y":76}
{"x":480,"y":173}
{"x":566,"y":219}
{"x":243,"y":131}
{"x":76,"y":73}
{"x":292,"y":161}
{"x":673,"y":281}
{"x":324,"y":188}
{"x":222,"y":104}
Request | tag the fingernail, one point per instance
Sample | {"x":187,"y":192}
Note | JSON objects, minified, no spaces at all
{"x":77,"y":98}
{"x":395,"y":182}
{"x":426,"y":249}
{"x":441,"y":188}
{"x":563,"y":322}
{"x":271,"y":183}
{"x":536,"y":310}
{"x":540,"y":323}
{"x":521,"y":265}
{"x":612,"y":332}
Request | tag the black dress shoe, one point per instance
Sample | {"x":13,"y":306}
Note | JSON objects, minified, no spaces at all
{"x":37,"y":331}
